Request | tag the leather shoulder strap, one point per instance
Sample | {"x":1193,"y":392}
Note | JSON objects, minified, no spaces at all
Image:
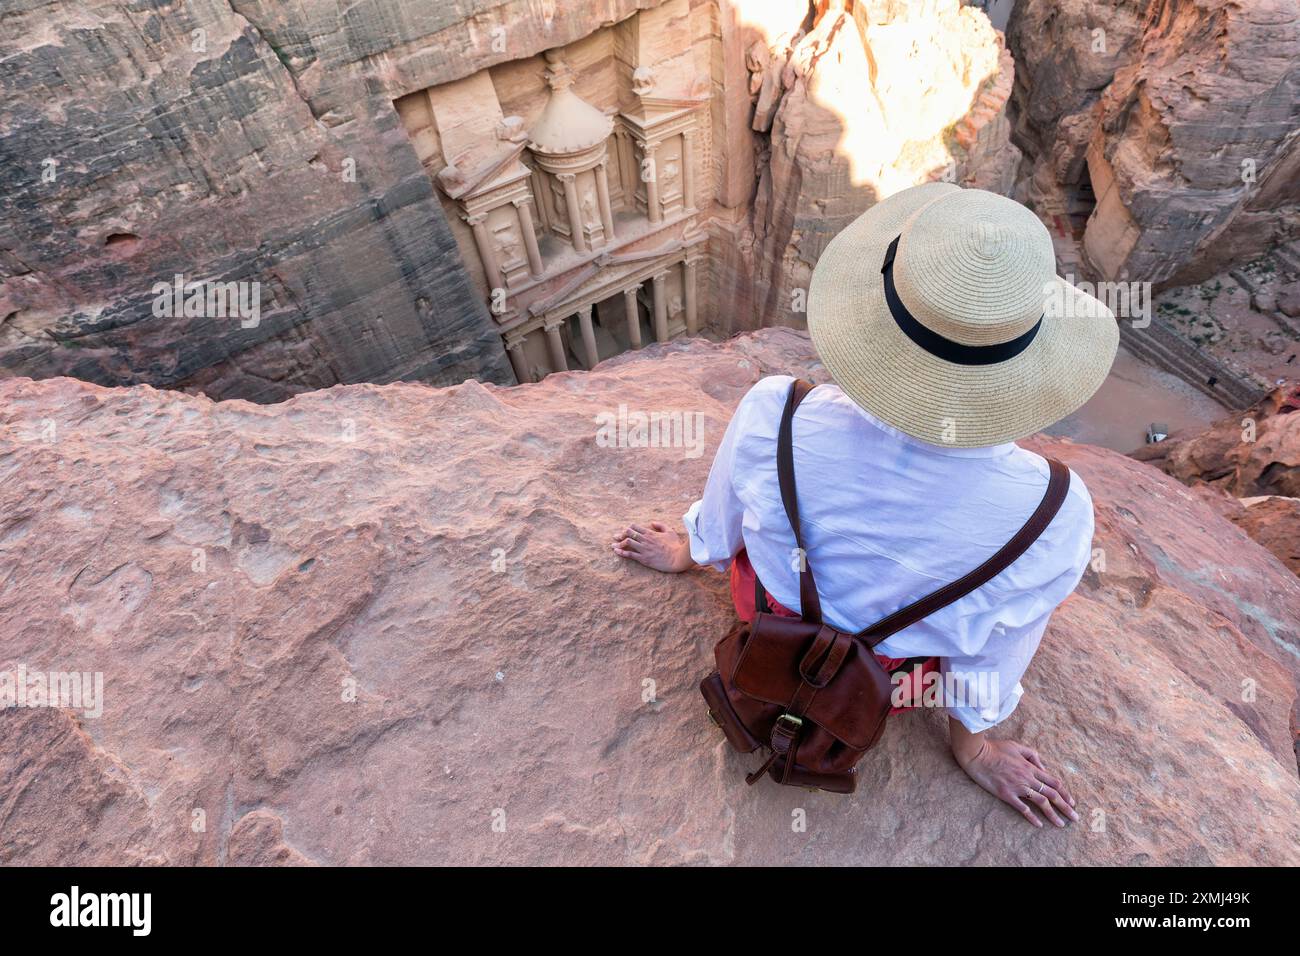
{"x":809,"y":603}
{"x":1058,"y":484}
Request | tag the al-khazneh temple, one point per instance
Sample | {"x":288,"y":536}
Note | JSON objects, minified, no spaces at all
{"x":580,"y":225}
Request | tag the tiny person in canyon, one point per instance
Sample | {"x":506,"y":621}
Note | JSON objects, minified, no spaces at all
{"x":929,"y":314}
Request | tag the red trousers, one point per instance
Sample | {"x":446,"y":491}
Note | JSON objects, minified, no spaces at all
{"x":742,"y":596}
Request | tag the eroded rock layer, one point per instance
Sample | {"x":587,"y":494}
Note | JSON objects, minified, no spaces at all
{"x":1255,"y":452}
{"x":382,"y":624}
{"x":1246,"y":467}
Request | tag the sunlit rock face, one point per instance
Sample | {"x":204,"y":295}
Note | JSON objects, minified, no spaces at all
{"x":382,"y":624}
{"x":852,"y":107}
{"x":1179,"y":117}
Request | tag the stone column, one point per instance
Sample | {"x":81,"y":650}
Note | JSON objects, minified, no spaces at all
{"x":556,"y":346}
{"x":575,"y":211}
{"x":633,"y":317}
{"x":661,"y":307}
{"x":491,"y":271}
{"x":688,"y":292}
{"x":518,"y":360}
{"x":602,"y":194}
{"x":652,"y":185}
{"x":624,"y":159}
{"x":688,"y":170}
{"x":536,"y":185}
{"x":530,"y":237}
{"x":588,"y":336}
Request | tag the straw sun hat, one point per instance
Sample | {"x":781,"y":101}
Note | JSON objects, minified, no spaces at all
{"x":960,"y":333}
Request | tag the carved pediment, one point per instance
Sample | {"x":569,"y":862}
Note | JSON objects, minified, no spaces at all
{"x":470,"y":176}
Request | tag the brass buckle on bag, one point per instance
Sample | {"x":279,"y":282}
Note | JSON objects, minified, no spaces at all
{"x":797,"y":722}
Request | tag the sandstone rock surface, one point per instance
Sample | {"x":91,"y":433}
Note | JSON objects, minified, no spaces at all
{"x":1247,"y":454}
{"x":1246,"y":467}
{"x":1274,"y":522}
{"x":369,"y":623}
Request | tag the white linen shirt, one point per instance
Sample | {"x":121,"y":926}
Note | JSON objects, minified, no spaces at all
{"x":887,"y":519}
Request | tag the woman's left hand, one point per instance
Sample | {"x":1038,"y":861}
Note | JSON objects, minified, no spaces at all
{"x":655,"y":546}
{"x":1015,"y":773}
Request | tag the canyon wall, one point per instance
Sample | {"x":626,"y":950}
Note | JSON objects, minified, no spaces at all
{"x":232,"y":142}
{"x":480,"y":680}
{"x":305,"y":151}
{"x":1181,"y":118}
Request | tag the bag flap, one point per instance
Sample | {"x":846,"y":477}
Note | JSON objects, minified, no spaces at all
{"x":851,"y":703}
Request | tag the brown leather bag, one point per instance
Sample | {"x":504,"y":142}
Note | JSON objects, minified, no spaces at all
{"x":816,"y":696}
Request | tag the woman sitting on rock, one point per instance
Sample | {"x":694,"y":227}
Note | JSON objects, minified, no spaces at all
{"x":929,"y":313}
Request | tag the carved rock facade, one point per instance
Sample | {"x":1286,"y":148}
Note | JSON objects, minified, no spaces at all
{"x":574,"y":182}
